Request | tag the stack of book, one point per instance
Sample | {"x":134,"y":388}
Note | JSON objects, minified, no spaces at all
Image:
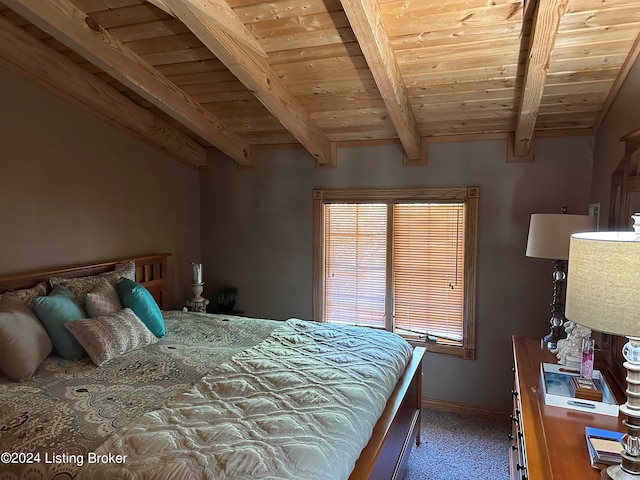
{"x":604,"y":446}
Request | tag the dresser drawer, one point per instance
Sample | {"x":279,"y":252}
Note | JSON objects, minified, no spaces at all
{"x":517,"y":456}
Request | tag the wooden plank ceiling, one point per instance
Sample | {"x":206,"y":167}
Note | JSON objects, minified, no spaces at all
{"x":186,"y":75}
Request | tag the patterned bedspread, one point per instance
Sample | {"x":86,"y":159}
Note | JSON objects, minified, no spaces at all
{"x":70,"y":408}
{"x":214,"y":399}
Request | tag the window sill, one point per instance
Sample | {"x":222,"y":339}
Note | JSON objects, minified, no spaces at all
{"x":453,"y":350}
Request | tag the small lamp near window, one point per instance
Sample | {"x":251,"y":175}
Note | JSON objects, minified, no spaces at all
{"x":602,"y":290}
{"x":549,"y":238}
{"x":198,"y":303}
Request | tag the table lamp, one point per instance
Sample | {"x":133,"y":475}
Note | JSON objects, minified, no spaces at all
{"x":549,"y":238}
{"x":603,"y":282}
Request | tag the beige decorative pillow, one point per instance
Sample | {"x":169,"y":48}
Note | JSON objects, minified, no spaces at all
{"x":28,"y":295}
{"x":126,"y":270}
{"x":103,"y":299}
{"x":80,"y":286}
{"x":24,"y":342}
{"x":109,"y":336}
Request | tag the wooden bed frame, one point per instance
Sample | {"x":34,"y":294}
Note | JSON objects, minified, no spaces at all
{"x":397,"y":429}
{"x":151,"y":271}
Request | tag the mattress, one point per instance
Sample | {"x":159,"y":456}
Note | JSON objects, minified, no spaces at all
{"x":215,"y":399}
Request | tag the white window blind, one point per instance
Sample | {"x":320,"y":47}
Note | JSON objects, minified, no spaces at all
{"x":355,"y":271}
{"x":428,"y":269}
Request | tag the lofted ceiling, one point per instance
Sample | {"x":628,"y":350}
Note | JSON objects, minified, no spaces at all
{"x":187,"y":75}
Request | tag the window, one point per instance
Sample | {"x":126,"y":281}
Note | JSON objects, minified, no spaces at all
{"x":403,"y":260}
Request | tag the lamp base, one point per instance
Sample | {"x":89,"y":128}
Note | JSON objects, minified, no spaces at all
{"x":198,"y":303}
{"x":550,"y":340}
{"x":630,"y":467}
{"x":557,"y":307}
{"x":615,"y":472}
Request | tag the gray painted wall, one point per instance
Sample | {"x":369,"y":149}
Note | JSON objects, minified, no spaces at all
{"x":257,"y":235}
{"x":74,"y":190}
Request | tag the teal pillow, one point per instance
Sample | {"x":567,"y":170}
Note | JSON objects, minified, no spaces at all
{"x":54,"y":310}
{"x":137,"y":298}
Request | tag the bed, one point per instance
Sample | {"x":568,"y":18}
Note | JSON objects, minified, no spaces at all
{"x":219,"y":396}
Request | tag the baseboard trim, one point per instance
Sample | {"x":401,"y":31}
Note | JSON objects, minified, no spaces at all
{"x":464,"y":409}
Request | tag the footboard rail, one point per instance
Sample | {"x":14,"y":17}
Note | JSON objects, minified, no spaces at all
{"x":398,"y":428}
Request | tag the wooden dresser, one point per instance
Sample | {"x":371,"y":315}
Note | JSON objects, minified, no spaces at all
{"x":549,"y":442}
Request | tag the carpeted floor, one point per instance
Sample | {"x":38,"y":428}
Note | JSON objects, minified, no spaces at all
{"x":460,"y":447}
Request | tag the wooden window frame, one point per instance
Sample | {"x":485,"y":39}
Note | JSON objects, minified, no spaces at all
{"x":468,"y":195}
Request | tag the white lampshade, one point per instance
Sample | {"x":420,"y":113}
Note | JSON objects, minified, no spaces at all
{"x":549,"y":234}
{"x":604,"y":281}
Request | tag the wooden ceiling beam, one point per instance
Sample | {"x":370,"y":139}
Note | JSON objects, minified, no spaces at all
{"x":366,"y":22}
{"x":256,"y":74}
{"x":528,"y":9}
{"x":222,"y":16}
{"x":78,"y":31}
{"x":546,"y":20}
{"x":30,"y":58}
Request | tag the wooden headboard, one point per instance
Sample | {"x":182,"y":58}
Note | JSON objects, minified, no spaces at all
{"x":151,"y":271}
